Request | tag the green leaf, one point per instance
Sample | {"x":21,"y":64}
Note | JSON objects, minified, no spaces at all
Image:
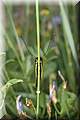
{"x":13,"y":81}
{"x":67,"y":101}
{"x":46,"y":46}
{"x":28,"y":65}
{"x":30,"y":112}
{"x":67,"y":31}
{"x":32,"y":51}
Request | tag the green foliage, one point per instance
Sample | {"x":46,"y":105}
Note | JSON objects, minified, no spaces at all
{"x":20,"y":63}
{"x":67,"y":100}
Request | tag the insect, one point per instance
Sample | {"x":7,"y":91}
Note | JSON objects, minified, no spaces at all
{"x":48,"y":50}
{"x":36,"y":70}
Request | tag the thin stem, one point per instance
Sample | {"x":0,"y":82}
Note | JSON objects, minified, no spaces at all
{"x":38,"y":45}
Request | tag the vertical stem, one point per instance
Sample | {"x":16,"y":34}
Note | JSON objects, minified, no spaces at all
{"x":38,"y":45}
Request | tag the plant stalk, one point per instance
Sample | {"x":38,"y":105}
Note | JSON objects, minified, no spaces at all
{"x":38,"y":47}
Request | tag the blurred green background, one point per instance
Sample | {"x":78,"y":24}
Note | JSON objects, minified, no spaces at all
{"x":59,"y":51}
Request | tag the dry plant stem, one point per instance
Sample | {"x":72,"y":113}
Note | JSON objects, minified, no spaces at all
{"x":38,"y":46}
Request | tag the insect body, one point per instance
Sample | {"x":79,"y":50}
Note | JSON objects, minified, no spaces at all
{"x":36,"y":70}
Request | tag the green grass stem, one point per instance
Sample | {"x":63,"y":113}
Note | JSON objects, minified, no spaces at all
{"x":38,"y":46}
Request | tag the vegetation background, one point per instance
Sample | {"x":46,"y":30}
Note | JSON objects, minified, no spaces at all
{"x":59,"y":52}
